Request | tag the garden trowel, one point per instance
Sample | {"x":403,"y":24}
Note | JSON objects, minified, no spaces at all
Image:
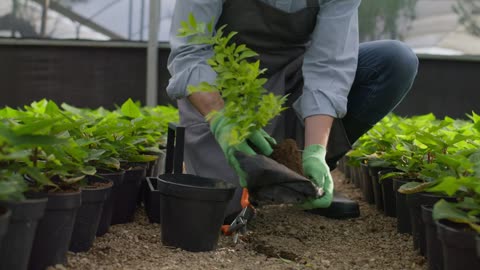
{"x":270,"y":182}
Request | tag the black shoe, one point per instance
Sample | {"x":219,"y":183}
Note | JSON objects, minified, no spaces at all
{"x":341,"y":208}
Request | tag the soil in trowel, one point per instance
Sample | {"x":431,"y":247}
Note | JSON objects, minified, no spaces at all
{"x":287,"y":153}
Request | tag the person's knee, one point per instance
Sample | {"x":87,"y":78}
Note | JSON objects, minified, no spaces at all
{"x":400,"y":59}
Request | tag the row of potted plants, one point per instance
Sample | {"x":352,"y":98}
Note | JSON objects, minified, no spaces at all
{"x":425,"y":172}
{"x":67,"y":174}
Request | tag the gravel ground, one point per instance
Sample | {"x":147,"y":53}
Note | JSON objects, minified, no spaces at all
{"x":282,"y":237}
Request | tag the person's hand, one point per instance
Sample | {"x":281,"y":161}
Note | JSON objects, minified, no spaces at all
{"x":221,"y":128}
{"x":316,"y":169}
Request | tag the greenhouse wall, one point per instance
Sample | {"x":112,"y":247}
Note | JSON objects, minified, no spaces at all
{"x":90,"y":74}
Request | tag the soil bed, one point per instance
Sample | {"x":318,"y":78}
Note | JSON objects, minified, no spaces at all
{"x":282,"y":237}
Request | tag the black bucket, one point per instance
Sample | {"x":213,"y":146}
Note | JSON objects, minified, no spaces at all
{"x":434,"y":251}
{"x":4,"y":222}
{"x":127,"y":195}
{"x":192,"y":209}
{"x":17,"y":244}
{"x":54,"y":230}
{"x":459,"y":246}
{"x":108,"y":206}
{"x":404,"y":225}
{"x":88,"y":216}
{"x":415,"y":202}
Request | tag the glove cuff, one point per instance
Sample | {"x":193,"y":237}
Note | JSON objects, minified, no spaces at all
{"x":216,"y":122}
{"x":315,"y":150}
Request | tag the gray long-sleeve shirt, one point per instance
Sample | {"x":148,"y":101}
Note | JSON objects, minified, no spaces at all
{"x":329,"y":65}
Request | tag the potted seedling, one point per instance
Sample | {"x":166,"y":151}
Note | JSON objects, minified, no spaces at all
{"x":458,"y":227}
{"x":100,"y":136}
{"x":18,"y":154}
{"x":95,"y":189}
{"x":55,"y":168}
{"x":135,"y":146}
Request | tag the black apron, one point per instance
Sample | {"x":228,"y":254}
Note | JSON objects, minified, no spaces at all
{"x":281,"y":40}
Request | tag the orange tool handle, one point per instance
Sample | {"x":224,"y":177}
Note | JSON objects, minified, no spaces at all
{"x":244,"y":202}
{"x":225,"y":230}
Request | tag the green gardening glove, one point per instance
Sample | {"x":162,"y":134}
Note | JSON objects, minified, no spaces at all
{"x":316,"y":169}
{"x":221,"y":128}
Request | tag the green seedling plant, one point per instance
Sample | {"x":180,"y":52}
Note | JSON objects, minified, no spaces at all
{"x":466,"y":189}
{"x":47,"y":148}
{"x":248,"y":106}
{"x":12,"y":184}
{"x":448,"y":150}
{"x":421,"y":148}
{"x":58,"y":161}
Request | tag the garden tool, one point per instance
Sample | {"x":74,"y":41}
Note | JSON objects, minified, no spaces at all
{"x":239,"y":225}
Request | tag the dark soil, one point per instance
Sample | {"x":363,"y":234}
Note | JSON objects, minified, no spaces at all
{"x":287,"y":153}
{"x":98,"y":184}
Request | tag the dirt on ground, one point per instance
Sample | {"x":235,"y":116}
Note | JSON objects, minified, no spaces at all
{"x":281,"y":237}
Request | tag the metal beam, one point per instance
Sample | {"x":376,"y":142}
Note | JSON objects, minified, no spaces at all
{"x":152,"y":53}
{"x":43,"y":26}
{"x":82,"y":20}
{"x":130,"y":19}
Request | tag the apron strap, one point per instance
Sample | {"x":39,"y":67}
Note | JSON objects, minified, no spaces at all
{"x":313,"y":3}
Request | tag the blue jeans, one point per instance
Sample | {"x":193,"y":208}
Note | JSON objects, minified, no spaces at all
{"x":386,"y":71}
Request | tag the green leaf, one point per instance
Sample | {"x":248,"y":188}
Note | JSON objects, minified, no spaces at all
{"x":89,"y":170}
{"x":130,"y":109}
{"x":247,"y":54}
{"x":448,"y":185}
{"x":39,"y":177}
{"x":413,"y":187}
{"x":192,"y":21}
{"x":446,"y":210}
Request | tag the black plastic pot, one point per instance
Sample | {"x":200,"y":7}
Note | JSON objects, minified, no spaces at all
{"x":366,"y":184}
{"x":377,"y":190}
{"x":459,"y":246}
{"x":434,"y":251}
{"x":54,"y":230}
{"x":127,"y":195}
{"x":17,"y":244}
{"x":108,"y":206}
{"x":152,"y":200}
{"x":404,"y":224}
{"x":89,"y":214}
{"x":192,"y":209}
{"x":4,"y":222}
{"x":388,"y":194}
{"x":143,"y":184}
{"x":415,"y":202}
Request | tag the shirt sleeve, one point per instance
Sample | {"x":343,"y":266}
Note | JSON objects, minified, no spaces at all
{"x":330,"y":63}
{"x":187,"y":63}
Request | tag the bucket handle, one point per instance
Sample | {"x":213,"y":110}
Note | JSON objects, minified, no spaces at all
{"x":175,"y":149}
